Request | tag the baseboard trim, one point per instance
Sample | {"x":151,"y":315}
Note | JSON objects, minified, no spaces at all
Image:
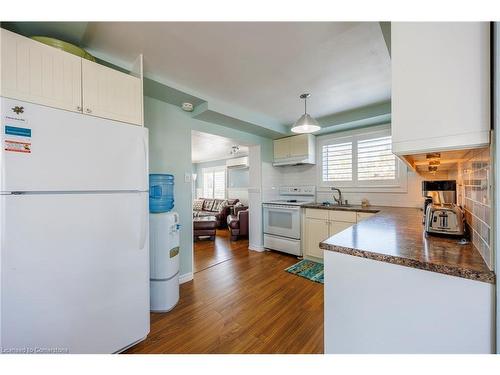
{"x":259,"y":248}
{"x":184,"y":278}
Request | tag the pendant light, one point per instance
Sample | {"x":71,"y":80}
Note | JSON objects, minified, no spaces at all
{"x":305,"y":124}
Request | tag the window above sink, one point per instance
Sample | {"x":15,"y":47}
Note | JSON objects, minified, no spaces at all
{"x":360,"y":160}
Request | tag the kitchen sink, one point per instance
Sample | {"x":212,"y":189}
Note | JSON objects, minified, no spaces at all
{"x":333,"y":205}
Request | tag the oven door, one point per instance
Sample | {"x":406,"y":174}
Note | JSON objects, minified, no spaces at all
{"x":282,"y":220}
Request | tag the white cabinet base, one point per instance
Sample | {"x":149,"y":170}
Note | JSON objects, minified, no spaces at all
{"x":378,"y":307}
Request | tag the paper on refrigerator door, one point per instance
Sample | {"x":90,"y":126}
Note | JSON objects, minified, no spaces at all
{"x":16,"y":132}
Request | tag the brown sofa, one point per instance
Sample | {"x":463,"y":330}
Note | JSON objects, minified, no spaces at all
{"x":220,"y":208}
{"x":238,"y":222}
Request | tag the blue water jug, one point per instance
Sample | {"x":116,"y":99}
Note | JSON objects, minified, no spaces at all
{"x":161,"y":192}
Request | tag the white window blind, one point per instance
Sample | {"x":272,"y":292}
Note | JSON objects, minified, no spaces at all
{"x":375,"y":159}
{"x":214,"y":183}
{"x":360,"y":160}
{"x":208,"y":184}
{"x":220,"y":184}
{"x":337,"y":162}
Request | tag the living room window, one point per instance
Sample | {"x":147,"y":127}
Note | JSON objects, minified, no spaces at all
{"x":360,"y":160}
{"x":214,"y":183}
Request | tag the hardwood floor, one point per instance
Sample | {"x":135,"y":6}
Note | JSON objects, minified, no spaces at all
{"x":240,"y":301}
{"x":208,"y":253}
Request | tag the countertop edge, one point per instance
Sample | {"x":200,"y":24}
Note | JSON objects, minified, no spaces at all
{"x":355,"y":208}
{"x":487,"y":277}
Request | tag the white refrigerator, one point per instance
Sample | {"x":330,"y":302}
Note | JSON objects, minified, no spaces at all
{"x":74,"y":261}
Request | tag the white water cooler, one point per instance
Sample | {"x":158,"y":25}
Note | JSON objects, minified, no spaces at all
{"x":164,"y":261}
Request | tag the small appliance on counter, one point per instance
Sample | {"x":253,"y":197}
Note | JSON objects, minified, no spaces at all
{"x":442,"y":214}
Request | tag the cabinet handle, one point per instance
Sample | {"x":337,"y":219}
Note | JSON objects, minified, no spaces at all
{"x":88,"y":110}
{"x":78,"y":108}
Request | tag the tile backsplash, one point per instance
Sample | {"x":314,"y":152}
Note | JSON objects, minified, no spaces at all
{"x":474,"y":195}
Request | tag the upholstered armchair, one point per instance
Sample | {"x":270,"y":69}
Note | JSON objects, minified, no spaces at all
{"x":238,"y":222}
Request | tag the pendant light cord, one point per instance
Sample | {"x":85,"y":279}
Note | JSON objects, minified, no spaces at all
{"x":305,"y":105}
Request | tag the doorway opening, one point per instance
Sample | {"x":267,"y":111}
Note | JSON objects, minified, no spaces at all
{"x":220,"y":191}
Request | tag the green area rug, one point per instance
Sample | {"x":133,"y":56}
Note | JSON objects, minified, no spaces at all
{"x":308,"y":269}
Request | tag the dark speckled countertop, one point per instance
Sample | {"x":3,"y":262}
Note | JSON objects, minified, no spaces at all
{"x":395,"y":235}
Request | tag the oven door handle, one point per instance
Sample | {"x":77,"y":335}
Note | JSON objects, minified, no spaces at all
{"x":281,"y":208}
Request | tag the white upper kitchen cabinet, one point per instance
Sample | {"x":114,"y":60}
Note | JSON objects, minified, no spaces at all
{"x":37,"y":73}
{"x":111,"y":94}
{"x":440,"y":86}
{"x":297,"y":149}
{"x":281,"y":148}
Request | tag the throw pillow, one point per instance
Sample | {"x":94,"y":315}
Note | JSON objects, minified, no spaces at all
{"x":220,"y":205}
{"x":208,"y":204}
{"x":198,"y":205}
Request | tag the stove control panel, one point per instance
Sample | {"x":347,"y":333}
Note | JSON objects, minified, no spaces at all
{"x":298,"y":190}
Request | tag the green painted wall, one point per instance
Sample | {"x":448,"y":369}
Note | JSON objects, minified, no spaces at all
{"x":170,"y":152}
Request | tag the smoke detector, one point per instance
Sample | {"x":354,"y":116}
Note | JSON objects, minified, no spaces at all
{"x":188,"y":107}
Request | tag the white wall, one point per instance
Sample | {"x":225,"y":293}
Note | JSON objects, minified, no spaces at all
{"x":255,"y":235}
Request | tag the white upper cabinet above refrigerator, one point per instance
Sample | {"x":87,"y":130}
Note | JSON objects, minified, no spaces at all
{"x":34,"y":72}
{"x":111,"y":94}
{"x":440,"y":86}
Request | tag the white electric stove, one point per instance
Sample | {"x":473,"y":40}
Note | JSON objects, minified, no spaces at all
{"x":282,"y":226}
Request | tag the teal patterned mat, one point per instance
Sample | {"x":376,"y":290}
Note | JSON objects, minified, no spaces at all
{"x":308,"y":269}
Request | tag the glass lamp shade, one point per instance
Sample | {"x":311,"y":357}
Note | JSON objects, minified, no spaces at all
{"x":305,"y":124}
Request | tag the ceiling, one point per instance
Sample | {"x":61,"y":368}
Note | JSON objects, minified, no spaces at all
{"x":209,"y":147}
{"x":263,"y":67}
{"x":251,"y":71}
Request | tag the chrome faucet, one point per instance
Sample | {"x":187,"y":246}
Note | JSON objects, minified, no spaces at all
{"x":338,"y":199}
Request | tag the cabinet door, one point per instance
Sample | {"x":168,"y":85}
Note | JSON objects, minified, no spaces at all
{"x":338,"y":226}
{"x":111,"y":94}
{"x":299,"y":145}
{"x":316,"y":231}
{"x":440,"y":86}
{"x":40,"y":74}
{"x":281,"y":148}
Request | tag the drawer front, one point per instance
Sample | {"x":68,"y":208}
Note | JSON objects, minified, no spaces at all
{"x":347,"y":216}
{"x":313,"y":213}
{"x":285,"y":245}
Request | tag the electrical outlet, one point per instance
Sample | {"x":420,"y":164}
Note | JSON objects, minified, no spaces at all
{"x":187,"y":177}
